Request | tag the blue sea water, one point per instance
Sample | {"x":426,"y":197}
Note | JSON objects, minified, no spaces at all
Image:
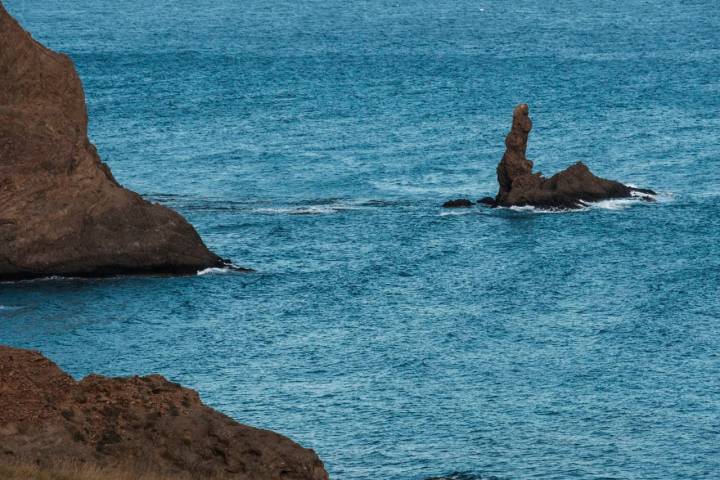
{"x":314,"y":142}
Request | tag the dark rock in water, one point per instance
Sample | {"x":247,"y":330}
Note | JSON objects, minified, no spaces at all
{"x":644,"y":194}
{"x":458,"y":203}
{"x":567,"y":189}
{"x":489,"y":201}
{"x":61,"y":210}
{"x":229,"y":265}
{"x":645,"y":191}
{"x":146,"y":423}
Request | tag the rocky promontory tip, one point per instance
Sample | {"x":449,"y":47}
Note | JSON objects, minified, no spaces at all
{"x":569,"y":189}
{"x":146,"y":423}
{"x":61,"y":210}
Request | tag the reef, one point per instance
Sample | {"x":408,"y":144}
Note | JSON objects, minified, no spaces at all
{"x":137,"y":424}
{"x":571,"y":188}
{"x":61,"y":210}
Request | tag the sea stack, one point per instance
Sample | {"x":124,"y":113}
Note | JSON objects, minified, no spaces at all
{"x":571,"y":188}
{"x":132,"y":425}
{"x":61,"y":210}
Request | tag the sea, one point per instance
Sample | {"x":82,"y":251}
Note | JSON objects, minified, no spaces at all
{"x":315,"y":142}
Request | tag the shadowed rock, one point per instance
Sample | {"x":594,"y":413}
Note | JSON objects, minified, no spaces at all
{"x":570,"y":188}
{"x":61,"y":210}
{"x":139,"y":423}
{"x":458,"y":203}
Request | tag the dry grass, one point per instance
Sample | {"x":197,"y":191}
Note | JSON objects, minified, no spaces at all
{"x":82,"y":472}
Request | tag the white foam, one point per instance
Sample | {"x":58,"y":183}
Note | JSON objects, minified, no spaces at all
{"x":457,"y":212}
{"x":615,"y":203}
{"x":215,"y":271}
{"x":636,"y":198}
{"x":309,"y":210}
{"x":531,"y":209}
{"x":643,"y":195}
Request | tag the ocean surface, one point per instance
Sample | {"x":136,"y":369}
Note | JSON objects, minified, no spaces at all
{"x":315,"y":141}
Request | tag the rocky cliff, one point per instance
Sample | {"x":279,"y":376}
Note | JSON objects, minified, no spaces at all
{"x":61,"y":210}
{"x":144,"y":423}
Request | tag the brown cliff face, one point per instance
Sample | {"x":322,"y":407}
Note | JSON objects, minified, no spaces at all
{"x":567,"y":189}
{"x":145,"y":423}
{"x":61,"y":210}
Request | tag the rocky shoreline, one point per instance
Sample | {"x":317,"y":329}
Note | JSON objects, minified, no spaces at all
{"x":146,"y":423}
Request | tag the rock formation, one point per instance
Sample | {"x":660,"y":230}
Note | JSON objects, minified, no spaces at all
{"x":571,"y":188}
{"x":61,"y":210}
{"x":458,"y":203}
{"x":145,"y":423}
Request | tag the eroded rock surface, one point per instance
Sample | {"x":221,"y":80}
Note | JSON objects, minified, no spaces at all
{"x":61,"y":210}
{"x":570,"y":188}
{"x":146,"y":423}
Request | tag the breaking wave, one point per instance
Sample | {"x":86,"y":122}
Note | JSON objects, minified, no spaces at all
{"x":637,"y":198}
{"x":227,"y":268}
{"x":215,"y":271}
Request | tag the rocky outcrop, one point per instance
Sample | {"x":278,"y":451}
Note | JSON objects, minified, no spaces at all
{"x":143,"y":423}
{"x":61,"y":210}
{"x":571,"y":188}
{"x":458,"y":203}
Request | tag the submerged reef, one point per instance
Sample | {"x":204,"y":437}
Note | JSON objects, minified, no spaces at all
{"x":568,"y":189}
{"x":143,"y":425}
{"x":61,"y":210}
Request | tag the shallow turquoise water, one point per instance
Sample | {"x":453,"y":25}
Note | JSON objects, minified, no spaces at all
{"x":398,"y":340}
